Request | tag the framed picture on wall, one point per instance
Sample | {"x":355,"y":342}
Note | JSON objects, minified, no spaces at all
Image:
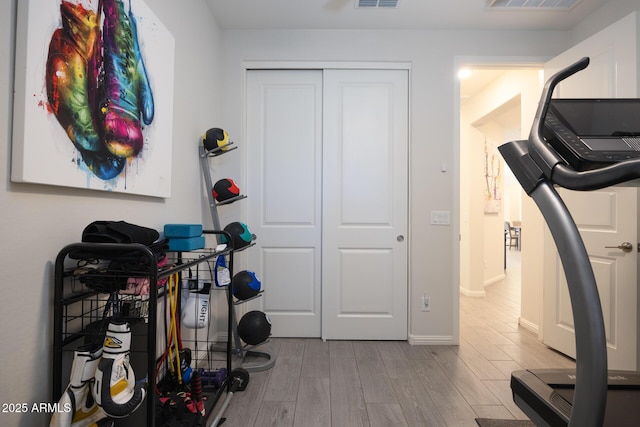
{"x":493,"y":179}
{"x":93,"y":103}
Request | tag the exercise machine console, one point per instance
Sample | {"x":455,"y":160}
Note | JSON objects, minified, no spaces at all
{"x":590,"y":133}
{"x":585,"y":145}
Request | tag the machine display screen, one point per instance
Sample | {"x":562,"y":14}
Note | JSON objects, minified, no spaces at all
{"x":606,"y":144}
{"x":599,"y":117}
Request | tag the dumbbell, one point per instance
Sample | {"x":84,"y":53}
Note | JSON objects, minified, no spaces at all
{"x":213,"y":377}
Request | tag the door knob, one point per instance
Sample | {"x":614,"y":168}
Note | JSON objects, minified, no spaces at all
{"x":625,"y":246}
{"x":400,"y":238}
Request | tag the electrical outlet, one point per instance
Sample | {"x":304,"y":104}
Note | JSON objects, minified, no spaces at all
{"x":426,"y":302}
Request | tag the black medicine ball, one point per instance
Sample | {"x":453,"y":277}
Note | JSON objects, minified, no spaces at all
{"x":254,"y":327}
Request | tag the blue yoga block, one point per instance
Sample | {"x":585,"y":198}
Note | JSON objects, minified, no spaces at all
{"x":182,"y":230}
{"x":186,"y":243}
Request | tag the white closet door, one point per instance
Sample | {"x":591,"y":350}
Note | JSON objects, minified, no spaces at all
{"x":365,"y":194}
{"x":284,"y":165}
{"x":327,"y":168}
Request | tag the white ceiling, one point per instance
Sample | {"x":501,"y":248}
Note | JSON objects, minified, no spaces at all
{"x":410,"y":14}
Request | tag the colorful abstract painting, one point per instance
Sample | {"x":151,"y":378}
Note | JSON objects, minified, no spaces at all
{"x":94,"y":94}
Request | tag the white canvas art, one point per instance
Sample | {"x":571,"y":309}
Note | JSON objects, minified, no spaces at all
{"x":93,"y":104}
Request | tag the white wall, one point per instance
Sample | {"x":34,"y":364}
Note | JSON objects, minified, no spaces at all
{"x":37,"y":221}
{"x":612,"y":11}
{"x":433,"y":249}
{"x":472,"y":230}
{"x":493,"y":223}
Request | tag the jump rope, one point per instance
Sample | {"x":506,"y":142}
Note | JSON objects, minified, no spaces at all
{"x":172,"y":330}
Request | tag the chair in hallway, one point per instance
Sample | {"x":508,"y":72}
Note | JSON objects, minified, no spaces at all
{"x":511,"y":236}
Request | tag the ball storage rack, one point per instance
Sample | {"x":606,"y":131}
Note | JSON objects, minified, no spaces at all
{"x":261,"y":359}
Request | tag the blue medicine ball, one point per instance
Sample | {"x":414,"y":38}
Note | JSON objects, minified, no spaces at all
{"x":245,"y":285}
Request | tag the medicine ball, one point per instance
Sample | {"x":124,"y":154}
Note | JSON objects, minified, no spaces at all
{"x":240,"y":235}
{"x":245,"y":285}
{"x":254,"y":327}
{"x":225,"y":189}
{"x":215,"y":138}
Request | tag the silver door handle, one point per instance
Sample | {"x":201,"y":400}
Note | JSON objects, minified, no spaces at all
{"x":400,"y":238}
{"x":625,"y":246}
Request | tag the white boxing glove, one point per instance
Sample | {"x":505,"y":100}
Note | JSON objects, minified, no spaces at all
{"x":195,"y":312}
{"x":76,"y":407}
{"x":115,"y":387}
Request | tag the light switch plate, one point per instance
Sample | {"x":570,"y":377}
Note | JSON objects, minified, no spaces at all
{"x":440,"y":218}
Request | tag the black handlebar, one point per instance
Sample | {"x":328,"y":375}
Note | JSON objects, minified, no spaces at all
{"x":544,"y":156}
{"x":552,"y":165}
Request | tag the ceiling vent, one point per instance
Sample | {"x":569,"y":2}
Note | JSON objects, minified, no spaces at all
{"x":532,"y":4}
{"x":377,"y":3}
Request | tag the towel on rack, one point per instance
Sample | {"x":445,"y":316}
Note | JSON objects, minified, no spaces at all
{"x":118,"y":232}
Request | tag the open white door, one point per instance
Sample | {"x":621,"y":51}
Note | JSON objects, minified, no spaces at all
{"x":607,"y":217}
{"x":365,"y":204}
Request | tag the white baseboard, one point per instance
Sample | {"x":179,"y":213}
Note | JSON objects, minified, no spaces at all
{"x":431,"y":340}
{"x":529,"y":326}
{"x":475,"y":294}
{"x":493,"y":280}
{"x":478,"y":294}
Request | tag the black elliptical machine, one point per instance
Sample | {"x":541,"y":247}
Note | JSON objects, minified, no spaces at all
{"x":579,"y":144}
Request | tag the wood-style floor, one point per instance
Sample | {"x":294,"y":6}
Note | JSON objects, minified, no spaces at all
{"x":388,"y":383}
